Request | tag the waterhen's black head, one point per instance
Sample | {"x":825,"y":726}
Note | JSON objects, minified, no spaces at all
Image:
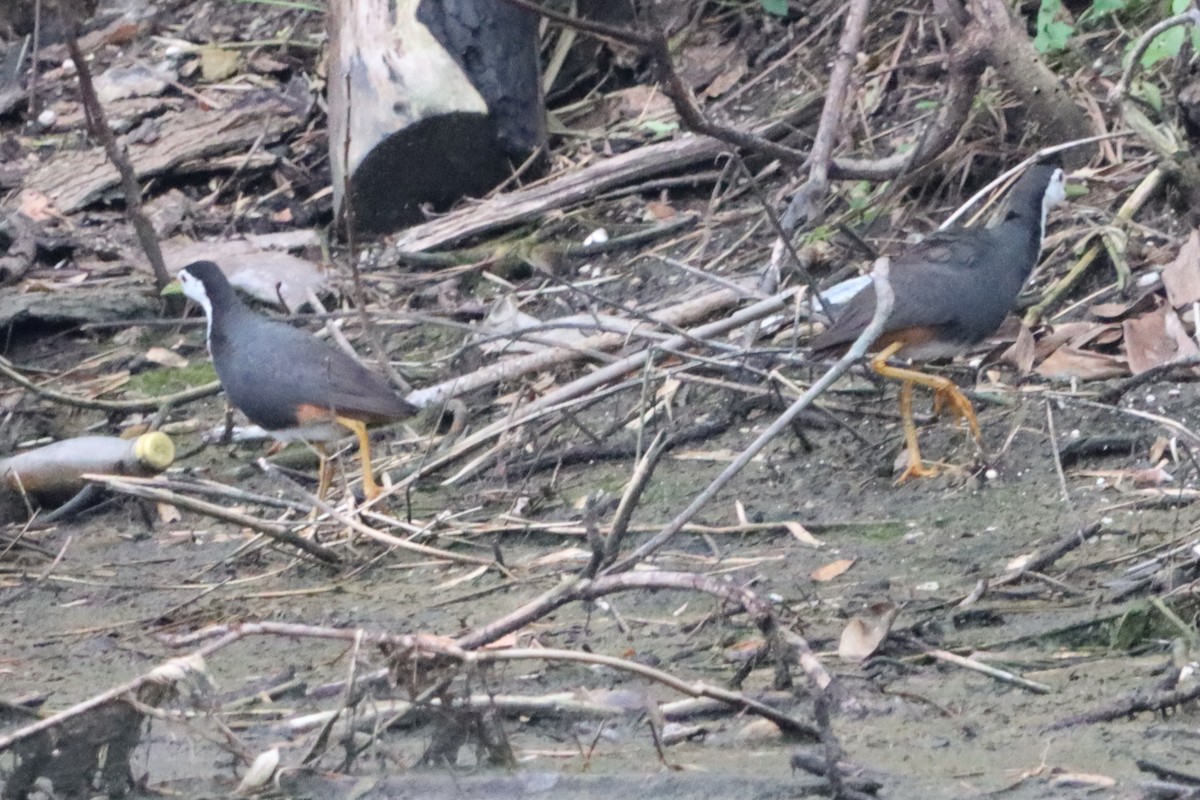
{"x":205,"y":283}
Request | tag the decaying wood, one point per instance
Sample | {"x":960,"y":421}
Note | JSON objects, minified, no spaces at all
{"x":72,"y":180}
{"x":563,"y":191}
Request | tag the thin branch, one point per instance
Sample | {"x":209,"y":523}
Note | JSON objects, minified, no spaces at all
{"x":100,"y":128}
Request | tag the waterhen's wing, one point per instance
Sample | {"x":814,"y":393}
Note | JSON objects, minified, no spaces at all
{"x":940,"y":285}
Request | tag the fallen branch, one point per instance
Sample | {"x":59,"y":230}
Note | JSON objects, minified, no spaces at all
{"x":883,"y":309}
{"x":153,"y":404}
{"x":279,"y":533}
{"x":590,"y":382}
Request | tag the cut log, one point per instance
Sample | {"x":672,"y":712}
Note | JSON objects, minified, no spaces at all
{"x":429,"y":101}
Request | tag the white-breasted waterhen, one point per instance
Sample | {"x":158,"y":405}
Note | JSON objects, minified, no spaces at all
{"x":952,"y":290}
{"x":286,"y":380}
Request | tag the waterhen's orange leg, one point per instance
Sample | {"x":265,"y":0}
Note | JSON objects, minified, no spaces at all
{"x":916,"y":468}
{"x":370,"y":488}
{"x":945,"y":393}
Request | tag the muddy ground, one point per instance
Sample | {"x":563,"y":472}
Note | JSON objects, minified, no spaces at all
{"x":100,"y":599}
{"x":126,"y":579}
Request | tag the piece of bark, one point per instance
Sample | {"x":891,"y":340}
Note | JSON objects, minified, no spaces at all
{"x":429,"y":102}
{"x":18,"y":246}
{"x":73,"y":180}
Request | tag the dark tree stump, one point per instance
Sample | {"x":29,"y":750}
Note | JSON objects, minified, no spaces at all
{"x":429,"y":101}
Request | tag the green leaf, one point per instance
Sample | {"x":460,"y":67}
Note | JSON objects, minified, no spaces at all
{"x":1052,"y":35}
{"x":1148,"y":92}
{"x":777,"y":7}
{"x":1100,"y":8}
{"x":660,"y":128}
{"x":1166,"y":45}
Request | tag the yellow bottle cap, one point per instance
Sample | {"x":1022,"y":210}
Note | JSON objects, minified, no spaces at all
{"x":154,"y":450}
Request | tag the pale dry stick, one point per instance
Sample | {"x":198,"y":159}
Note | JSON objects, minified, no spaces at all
{"x":610,"y":545}
{"x":506,"y":369}
{"x":385,"y":538}
{"x":279,"y":533}
{"x":697,"y":689}
{"x":99,"y":127}
{"x":883,"y":309}
{"x":998,"y":674}
{"x":589,"y":382}
{"x":426,"y":645}
{"x":1058,"y":467}
{"x":153,"y":404}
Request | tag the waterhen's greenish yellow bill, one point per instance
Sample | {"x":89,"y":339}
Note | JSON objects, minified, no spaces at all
{"x":286,"y":380}
{"x":952,"y":291}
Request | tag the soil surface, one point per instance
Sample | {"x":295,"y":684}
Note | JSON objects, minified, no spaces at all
{"x":815,"y":524}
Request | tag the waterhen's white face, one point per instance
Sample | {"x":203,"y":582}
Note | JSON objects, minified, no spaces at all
{"x":193,"y":289}
{"x":1056,"y":190}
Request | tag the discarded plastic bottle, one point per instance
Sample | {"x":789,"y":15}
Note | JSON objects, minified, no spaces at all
{"x":58,"y":469}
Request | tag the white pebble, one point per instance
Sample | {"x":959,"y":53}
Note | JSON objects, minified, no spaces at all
{"x":47,"y":118}
{"x":598,"y":236}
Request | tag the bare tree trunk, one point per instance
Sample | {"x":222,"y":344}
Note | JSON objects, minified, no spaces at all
{"x":429,"y":101}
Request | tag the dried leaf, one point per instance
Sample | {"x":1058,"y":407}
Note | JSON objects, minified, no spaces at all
{"x":178,"y":669}
{"x":260,"y":772}
{"x":726,"y":80}
{"x":863,"y":635}
{"x":464,"y":578}
{"x":1017,"y":564}
{"x":1060,"y":335}
{"x":1182,"y":276}
{"x":831,"y":570}
{"x":1156,"y":338}
{"x":166,"y":358}
{"x":1021,"y":352}
{"x":168,"y":513}
{"x":1109,"y":310}
{"x":217,"y":63}
{"x":1069,"y":362}
{"x":658,"y":211}
{"x":567,"y":554}
{"x":257,"y":265}
{"x":801,"y":534}
{"x":37,"y":206}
